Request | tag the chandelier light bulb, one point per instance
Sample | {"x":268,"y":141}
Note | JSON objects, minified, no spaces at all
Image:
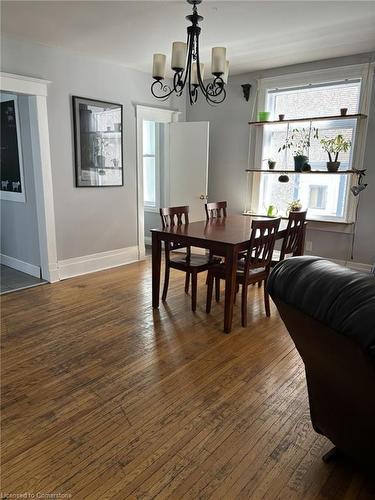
{"x":218,"y":60}
{"x":179,"y":50}
{"x":158,"y":67}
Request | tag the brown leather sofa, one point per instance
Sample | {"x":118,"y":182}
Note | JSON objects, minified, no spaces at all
{"x":329,"y":311}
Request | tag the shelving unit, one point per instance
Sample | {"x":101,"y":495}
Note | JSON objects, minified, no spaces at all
{"x":289,"y":171}
{"x":311,"y":119}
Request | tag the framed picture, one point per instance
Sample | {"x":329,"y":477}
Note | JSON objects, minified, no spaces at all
{"x":12,"y":186}
{"x":98,"y":139}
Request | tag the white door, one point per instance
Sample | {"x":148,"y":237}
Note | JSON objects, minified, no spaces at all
{"x":188,"y":167}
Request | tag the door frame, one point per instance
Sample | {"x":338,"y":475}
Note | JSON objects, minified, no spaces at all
{"x":149,"y":114}
{"x":37,"y":90}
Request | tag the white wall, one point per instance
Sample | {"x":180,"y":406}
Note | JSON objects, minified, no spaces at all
{"x":229,"y":143}
{"x":88,"y":220}
{"x":19,"y":225}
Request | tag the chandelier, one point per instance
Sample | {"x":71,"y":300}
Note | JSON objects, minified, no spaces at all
{"x":188,"y":70}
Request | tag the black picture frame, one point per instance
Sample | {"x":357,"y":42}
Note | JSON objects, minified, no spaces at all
{"x":98,"y":142}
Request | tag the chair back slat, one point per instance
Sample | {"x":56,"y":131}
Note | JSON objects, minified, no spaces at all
{"x":216,"y":210}
{"x":293,"y":238}
{"x":261,"y":244}
{"x":174,"y":216}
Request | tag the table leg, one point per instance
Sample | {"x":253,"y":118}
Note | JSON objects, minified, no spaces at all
{"x":230,"y":287}
{"x":156,"y":264}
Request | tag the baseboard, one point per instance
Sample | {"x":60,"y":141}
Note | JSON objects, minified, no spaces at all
{"x":357,"y":266}
{"x":77,"y":266}
{"x":20,"y":265}
{"x":148,"y":240}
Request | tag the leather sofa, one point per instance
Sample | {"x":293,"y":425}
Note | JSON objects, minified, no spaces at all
{"x":329,"y":311}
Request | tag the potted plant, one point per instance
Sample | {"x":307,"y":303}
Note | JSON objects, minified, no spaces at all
{"x":294,"y":206}
{"x":333,"y":147}
{"x":271,"y":164}
{"x":299,"y":142}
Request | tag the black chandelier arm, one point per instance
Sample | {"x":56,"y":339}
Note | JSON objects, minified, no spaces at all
{"x":158,"y":83}
{"x":214,"y":92}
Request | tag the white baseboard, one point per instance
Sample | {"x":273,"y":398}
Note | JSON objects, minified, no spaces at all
{"x":97,"y":262}
{"x":357,"y":266}
{"x":20,"y":265}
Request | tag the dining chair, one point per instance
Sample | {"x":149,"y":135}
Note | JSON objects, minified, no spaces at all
{"x":216,"y":209}
{"x":254,"y":268}
{"x":187,"y":262}
{"x":293,"y":240}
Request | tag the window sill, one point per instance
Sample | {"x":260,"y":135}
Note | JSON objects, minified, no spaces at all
{"x":319,"y":225}
{"x":153,"y":210}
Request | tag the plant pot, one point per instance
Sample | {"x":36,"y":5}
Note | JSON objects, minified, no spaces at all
{"x":271,"y":165}
{"x":101,"y":161}
{"x":263,"y":116}
{"x":333,"y":166}
{"x":299,"y":162}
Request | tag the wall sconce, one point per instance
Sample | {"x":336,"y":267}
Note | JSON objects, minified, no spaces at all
{"x":360,"y":186}
{"x":246,"y":90}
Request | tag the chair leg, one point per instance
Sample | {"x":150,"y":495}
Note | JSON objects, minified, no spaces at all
{"x":266,"y":301}
{"x":210,"y":285}
{"x":244,"y":305}
{"x":187,"y":281}
{"x":194,"y":286}
{"x":236,"y":292}
{"x":166,"y":282}
{"x":217,"y":289}
{"x":259,"y":284}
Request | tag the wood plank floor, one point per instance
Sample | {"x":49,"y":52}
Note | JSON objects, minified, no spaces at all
{"x":104,"y":398}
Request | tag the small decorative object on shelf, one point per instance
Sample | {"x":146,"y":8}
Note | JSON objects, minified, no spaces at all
{"x":271,"y":164}
{"x":272,"y":211}
{"x":281,"y":117}
{"x":264,"y":116}
{"x":294,"y":206}
{"x":300,"y":141}
{"x":343,"y":111}
{"x":334,"y":146}
{"x":306,"y":167}
{"x":283,"y":178}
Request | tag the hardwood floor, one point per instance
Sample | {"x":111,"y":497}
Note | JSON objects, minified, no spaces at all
{"x":104,"y":398}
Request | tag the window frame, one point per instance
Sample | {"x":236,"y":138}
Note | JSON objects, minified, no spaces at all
{"x":364,"y":72}
{"x":150,"y":207}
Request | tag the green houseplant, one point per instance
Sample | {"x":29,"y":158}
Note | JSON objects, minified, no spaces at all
{"x":334,"y":147}
{"x":299,"y":141}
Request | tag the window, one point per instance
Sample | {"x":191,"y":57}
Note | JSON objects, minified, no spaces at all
{"x":151,"y":178}
{"x":325,"y":195}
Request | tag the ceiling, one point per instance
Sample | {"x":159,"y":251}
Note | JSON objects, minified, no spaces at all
{"x":257,"y":34}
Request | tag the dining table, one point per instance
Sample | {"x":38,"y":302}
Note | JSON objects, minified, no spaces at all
{"x":223,"y":236}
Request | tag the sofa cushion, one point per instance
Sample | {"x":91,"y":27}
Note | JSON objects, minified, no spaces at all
{"x":341,"y":298}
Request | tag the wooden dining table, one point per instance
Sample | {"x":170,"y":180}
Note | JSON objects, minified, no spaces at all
{"x":226,"y":237}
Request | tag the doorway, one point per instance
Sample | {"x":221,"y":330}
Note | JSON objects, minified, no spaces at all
{"x":172,"y":167}
{"x":28,"y":220}
{"x":20,"y":252}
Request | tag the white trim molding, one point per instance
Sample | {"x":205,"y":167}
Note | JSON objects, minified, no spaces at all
{"x":20,"y":265}
{"x":37,"y":89}
{"x":86,"y":264}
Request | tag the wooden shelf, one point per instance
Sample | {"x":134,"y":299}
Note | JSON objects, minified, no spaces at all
{"x":311,"y":119}
{"x":288,"y":172}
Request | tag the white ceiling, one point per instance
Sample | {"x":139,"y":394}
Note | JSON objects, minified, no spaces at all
{"x":257,"y":34}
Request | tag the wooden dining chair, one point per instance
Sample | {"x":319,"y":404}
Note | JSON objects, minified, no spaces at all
{"x":187,"y":262}
{"x":254,"y":268}
{"x":293,"y":241}
{"x":216,"y":209}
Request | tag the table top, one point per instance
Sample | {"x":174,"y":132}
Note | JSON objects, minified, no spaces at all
{"x":232,"y":230}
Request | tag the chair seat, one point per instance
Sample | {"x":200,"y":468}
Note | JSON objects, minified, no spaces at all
{"x":219,"y":269}
{"x":196,"y":261}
